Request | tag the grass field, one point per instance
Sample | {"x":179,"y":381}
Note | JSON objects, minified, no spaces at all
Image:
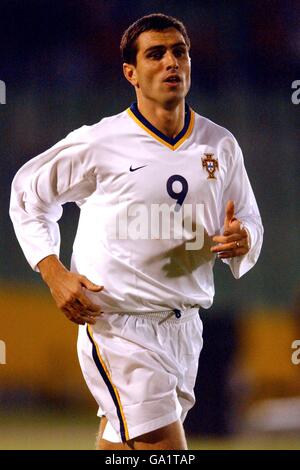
{"x":45,"y":430}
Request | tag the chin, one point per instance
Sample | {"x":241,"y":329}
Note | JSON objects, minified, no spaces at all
{"x":174,"y":99}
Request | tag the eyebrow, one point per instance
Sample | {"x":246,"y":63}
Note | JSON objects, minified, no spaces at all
{"x":162,"y":46}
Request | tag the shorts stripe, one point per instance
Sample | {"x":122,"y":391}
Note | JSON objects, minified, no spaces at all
{"x":111,"y":387}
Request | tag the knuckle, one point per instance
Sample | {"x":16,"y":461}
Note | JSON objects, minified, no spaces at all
{"x":69,"y":298}
{"x":73,"y":296}
{"x":63,"y":305}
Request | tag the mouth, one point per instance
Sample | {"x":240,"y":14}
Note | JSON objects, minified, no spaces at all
{"x":172,"y":79}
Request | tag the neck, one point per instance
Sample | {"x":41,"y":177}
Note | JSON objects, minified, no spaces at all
{"x":169,"y":121}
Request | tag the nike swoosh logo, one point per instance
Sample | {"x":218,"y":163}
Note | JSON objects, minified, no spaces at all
{"x":137,"y":168}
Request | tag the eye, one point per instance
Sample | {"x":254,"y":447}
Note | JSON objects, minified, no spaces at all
{"x":179,"y":52}
{"x":156,"y":55}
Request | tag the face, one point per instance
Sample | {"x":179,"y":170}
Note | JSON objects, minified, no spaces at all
{"x":162,"y":71}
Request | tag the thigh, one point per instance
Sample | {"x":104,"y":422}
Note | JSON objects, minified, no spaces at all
{"x":170,"y":437}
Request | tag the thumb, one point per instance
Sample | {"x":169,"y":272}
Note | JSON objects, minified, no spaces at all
{"x":90,"y":285}
{"x":229,"y":216}
{"x":229,"y":212}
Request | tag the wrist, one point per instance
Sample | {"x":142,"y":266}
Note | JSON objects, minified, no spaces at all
{"x":50,"y":267}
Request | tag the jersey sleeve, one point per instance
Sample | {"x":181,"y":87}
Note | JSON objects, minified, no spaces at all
{"x":64,"y":173}
{"x":238,"y":189}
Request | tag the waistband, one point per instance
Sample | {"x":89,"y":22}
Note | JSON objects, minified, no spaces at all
{"x":175,"y":315}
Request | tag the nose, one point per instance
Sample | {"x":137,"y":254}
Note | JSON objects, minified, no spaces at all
{"x":171,"y":61}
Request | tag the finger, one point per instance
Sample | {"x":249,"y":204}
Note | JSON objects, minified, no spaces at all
{"x":73,"y":316}
{"x":77,"y":321}
{"x":88,"y":319}
{"x":83,"y":312}
{"x":227,"y":239}
{"x":93,"y":313}
{"x":233,"y":253}
{"x":90,"y":285}
{"x":84,"y":317}
{"x":80,"y":318}
{"x":225,"y":247}
{"x":84,"y":304}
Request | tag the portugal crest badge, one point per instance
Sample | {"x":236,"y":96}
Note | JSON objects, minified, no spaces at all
{"x":210,"y":163}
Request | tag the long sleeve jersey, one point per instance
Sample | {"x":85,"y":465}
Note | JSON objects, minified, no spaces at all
{"x":128,"y":179}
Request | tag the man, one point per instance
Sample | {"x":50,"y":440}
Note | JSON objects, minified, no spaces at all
{"x":136,"y":298}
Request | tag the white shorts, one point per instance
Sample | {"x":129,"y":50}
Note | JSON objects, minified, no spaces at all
{"x":141,"y":368}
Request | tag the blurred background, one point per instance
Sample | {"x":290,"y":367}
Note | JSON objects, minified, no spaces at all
{"x":61,"y":65}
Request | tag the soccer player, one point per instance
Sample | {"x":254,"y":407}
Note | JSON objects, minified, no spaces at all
{"x":136,"y":295}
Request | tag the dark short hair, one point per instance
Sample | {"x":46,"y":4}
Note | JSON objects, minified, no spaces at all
{"x":154,"y":22}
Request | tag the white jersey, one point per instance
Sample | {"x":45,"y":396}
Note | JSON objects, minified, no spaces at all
{"x":124,"y":160}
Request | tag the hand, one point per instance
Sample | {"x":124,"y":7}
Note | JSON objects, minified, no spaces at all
{"x":235,"y":238}
{"x":67,"y":290}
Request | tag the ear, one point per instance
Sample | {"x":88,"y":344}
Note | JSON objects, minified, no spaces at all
{"x":129,"y":71}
